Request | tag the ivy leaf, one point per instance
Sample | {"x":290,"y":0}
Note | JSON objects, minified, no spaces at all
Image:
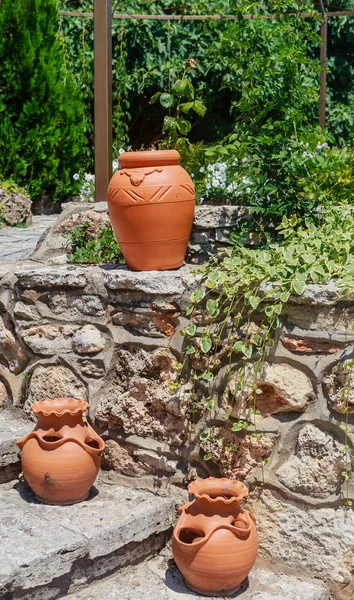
{"x":298,"y":285}
{"x":197,"y":295}
{"x":209,"y":405}
{"x":212,"y":308}
{"x":204,"y":436}
{"x":166,"y":100}
{"x":205,"y":344}
{"x":207,"y":376}
{"x":238,"y":346}
{"x":254,"y":301}
{"x":189,"y":350}
{"x":247,"y":351}
{"x":207,"y":456}
{"x":190,"y":330}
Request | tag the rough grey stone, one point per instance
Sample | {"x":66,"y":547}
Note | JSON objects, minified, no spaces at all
{"x":88,"y":340}
{"x":10,"y":348}
{"x":54,"y":381}
{"x":334,"y":382}
{"x":49,"y":339}
{"x":315,"y":468}
{"x":156,"y":462}
{"x":17,"y":207}
{"x":92,"y":367}
{"x":211,"y":217}
{"x":315,"y":541}
{"x":48,"y":547}
{"x":11,"y":430}
{"x":52,"y":277}
{"x":160,"y":578}
{"x":149,"y":282}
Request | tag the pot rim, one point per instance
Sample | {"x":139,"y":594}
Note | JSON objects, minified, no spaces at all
{"x":59,"y":406}
{"x":215,"y":488}
{"x":148,"y":158}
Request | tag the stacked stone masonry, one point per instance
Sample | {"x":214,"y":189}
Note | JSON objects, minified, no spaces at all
{"x":111,"y":336}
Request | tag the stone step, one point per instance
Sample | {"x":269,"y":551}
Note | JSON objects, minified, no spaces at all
{"x":12,"y":428}
{"x":45,"y":551}
{"x":159,"y":578}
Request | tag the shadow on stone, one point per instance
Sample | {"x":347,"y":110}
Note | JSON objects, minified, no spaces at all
{"x":28,"y":496}
{"x":175,"y":582}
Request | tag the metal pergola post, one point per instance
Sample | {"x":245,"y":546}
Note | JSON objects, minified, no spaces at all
{"x":102,"y":96}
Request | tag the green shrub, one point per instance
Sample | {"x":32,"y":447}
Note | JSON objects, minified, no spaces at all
{"x":41,"y":113}
{"x":87,"y":247}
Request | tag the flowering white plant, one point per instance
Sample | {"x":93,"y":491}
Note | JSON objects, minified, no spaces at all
{"x":87,"y":190}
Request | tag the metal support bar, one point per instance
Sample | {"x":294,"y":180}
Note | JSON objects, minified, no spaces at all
{"x":323,"y":76}
{"x":103,"y":96}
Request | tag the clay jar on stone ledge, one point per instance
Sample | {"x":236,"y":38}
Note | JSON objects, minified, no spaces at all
{"x":151,"y":202}
{"x":214,"y":542}
{"x":62,"y":455}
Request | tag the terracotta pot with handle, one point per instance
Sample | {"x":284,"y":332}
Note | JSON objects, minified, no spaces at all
{"x":62,"y":455}
{"x":214,"y":541}
{"x":151,"y":203}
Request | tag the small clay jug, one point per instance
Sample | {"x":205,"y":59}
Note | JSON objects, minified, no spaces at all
{"x":62,"y":455}
{"x":214,"y":542}
{"x":151,"y":203}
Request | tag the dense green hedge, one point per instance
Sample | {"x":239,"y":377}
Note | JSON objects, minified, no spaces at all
{"x":41,"y":110}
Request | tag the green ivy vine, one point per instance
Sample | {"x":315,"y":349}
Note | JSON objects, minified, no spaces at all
{"x":236,"y":312}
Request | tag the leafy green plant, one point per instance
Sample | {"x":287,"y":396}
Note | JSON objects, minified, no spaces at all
{"x":96,"y":248}
{"x":181,"y":98}
{"x":348,"y":368}
{"x":237,"y":310}
{"x":41,"y":113}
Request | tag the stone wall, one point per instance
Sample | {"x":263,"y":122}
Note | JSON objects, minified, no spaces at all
{"x":111,"y":336}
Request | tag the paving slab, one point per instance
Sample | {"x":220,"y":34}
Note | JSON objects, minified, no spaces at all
{"x":12,"y":428}
{"x":19,"y":243}
{"x":159,"y":578}
{"x":45,"y":550}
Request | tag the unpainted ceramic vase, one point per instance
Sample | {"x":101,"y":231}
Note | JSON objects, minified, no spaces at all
{"x":214,"y":541}
{"x":62,"y":455}
{"x":151,"y":202}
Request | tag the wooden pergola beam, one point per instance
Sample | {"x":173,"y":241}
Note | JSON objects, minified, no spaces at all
{"x":102,"y":96}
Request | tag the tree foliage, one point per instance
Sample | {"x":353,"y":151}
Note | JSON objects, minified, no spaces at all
{"x":41,"y":111}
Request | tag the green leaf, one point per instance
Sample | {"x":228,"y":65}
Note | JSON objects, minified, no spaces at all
{"x":189,"y":350}
{"x":199,"y":108}
{"x":166,"y":100}
{"x":247,"y":351}
{"x":204,"y":436}
{"x":207,"y":456}
{"x":212,"y":308}
{"x":179,"y":87}
{"x":298,"y":285}
{"x":197,"y":295}
{"x":190,"y":330}
{"x":183,"y":126}
{"x":254,"y":301}
{"x":205,"y":344}
{"x":238,"y":346}
{"x":209,"y":405}
{"x":155,"y":97}
{"x":207,"y":376}
{"x":186,"y":106}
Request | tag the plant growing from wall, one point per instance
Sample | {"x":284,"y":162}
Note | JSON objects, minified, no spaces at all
{"x":237,"y":310}
{"x":95,"y":248}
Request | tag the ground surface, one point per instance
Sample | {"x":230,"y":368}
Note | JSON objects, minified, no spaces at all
{"x":18,"y":243}
{"x":159,"y":578}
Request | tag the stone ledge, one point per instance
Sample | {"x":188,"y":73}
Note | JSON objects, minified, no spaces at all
{"x":11,"y":429}
{"x":160,"y":578}
{"x":45,"y":548}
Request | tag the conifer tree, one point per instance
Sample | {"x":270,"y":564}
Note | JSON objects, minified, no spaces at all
{"x":41,"y":112}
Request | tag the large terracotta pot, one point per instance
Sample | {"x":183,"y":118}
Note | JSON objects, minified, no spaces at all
{"x":214,"y":541}
{"x":151,"y":203}
{"x":62,"y":455}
